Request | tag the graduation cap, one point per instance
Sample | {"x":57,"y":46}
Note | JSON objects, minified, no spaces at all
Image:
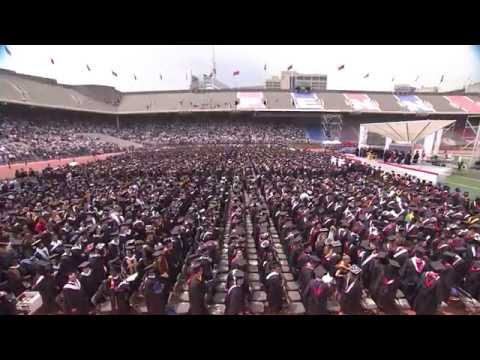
{"x":419,"y":249}
{"x":394,"y":264}
{"x":319,"y":271}
{"x":100,"y":246}
{"x":355,"y":270}
{"x":336,"y":243}
{"x":54,"y":256}
{"x":149,"y":267}
{"x":449,"y":255}
{"x":366,"y":245}
{"x":84,"y":265}
{"x":36,"y":242}
{"x":158,"y":252}
{"x":437,"y":266}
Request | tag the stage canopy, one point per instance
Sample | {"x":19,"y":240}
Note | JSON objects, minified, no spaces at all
{"x":407,"y":131}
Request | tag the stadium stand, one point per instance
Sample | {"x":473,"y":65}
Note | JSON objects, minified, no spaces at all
{"x":103,"y":99}
{"x":244,"y":224}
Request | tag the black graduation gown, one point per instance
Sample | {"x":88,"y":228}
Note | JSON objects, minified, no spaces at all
{"x":304,"y":278}
{"x":401,"y":259}
{"x":410,"y":280}
{"x":47,"y":288}
{"x":196,"y":291}
{"x":119,"y":297}
{"x":368,"y":273}
{"x":385,"y":294}
{"x":7,"y":306}
{"x":66,"y":265}
{"x":89,"y":284}
{"x":351,"y":298}
{"x":377,"y":272}
{"x":155,"y":295}
{"x":235,"y":301}
{"x":98,"y":270}
{"x":273,"y":286}
{"x":472,"y":284}
{"x":445,"y":284}
{"x":14,"y":281}
{"x":426,"y":302}
{"x":315,"y":297}
{"x":76,"y":301}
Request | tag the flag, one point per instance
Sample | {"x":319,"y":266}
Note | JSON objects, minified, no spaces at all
{"x":53,"y":62}
{"x":341,"y":67}
{"x":88,"y":68}
{"x":441,"y":80}
{"x":290,"y":68}
{"x":214,"y":72}
{"x":393,"y":79}
{"x":114,"y":73}
{"x":186,"y":76}
{"x":418,"y":76}
{"x":366,"y":75}
{"x":7,"y":50}
{"x":236,"y":72}
{"x":161,"y":78}
{"x":265,"y":67}
{"x":135,"y":76}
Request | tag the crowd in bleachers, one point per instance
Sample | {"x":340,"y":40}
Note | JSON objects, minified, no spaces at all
{"x":43,"y":138}
{"x":30,"y":140}
{"x":205,"y":132}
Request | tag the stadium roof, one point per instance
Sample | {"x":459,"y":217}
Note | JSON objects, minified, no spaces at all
{"x":407,"y":132}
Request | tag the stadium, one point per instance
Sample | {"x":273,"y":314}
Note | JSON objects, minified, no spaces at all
{"x":237,"y":201}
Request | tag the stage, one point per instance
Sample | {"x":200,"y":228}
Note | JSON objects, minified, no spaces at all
{"x":426,"y":172}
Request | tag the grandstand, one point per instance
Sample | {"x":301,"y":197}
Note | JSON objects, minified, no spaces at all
{"x":352,"y":108}
{"x":36,"y":91}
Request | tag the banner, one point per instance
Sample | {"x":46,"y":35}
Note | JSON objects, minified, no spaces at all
{"x":250,"y":100}
{"x":464,"y":103}
{"x":361,"y":102}
{"x":413,"y":103}
{"x":307,"y":101}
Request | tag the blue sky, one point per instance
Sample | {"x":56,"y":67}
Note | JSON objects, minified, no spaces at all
{"x":459,"y":63}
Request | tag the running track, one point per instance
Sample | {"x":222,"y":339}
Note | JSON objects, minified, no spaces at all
{"x":9,"y":173}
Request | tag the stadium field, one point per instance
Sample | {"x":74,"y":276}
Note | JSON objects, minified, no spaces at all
{"x":468,"y":180}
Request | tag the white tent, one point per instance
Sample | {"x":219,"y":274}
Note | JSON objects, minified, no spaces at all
{"x":407,"y":132}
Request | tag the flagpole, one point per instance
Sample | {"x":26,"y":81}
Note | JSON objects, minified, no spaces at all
{"x":214,"y":70}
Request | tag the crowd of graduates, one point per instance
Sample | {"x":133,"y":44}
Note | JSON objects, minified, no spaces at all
{"x":121,"y":230}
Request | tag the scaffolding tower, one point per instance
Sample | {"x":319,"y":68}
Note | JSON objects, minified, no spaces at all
{"x":473,"y":123}
{"x":332,"y":125}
